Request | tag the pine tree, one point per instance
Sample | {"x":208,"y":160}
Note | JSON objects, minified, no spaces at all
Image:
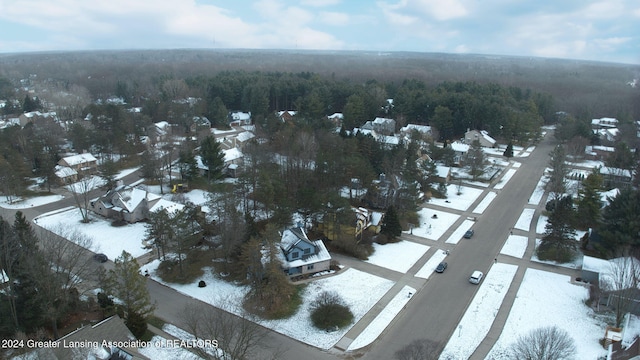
{"x":125,"y":283}
{"x":508,"y":152}
{"x":212,"y":157}
{"x":620,"y":221}
{"x":391,"y":223}
{"x":559,"y":243}
{"x":589,"y":203}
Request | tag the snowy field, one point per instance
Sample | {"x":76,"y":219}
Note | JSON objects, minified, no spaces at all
{"x":548,"y":299}
{"x":430,"y":266}
{"x":433,"y":228}
{"x":459,"y":232}
{"x":377,"y":326}
{"x":505,"y":179}
{"x":477,"y":320}
{"x":350,"y":285}
{"x":458,"y":202}
{"x":538,"y":192}
{"x":524,"y":221}
{"x":107,"y":239}
{"x":484,"y":204}
{"x":400,"y":256}
{"x":515,"y":246}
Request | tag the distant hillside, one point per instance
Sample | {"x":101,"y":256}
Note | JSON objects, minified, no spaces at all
{"x":599,"y":89}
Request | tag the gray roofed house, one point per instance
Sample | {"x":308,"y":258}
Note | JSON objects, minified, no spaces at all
{"x":301,"y":256}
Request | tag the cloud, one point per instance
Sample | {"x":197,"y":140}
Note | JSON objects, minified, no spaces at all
{"x":334,"y":18}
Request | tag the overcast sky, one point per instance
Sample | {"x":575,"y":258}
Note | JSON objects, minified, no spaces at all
{"x":606,"y":30}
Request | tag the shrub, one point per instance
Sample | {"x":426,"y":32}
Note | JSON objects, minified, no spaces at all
{"x":328,"y":311}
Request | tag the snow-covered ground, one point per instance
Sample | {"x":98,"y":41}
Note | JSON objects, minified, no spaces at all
{"x":459,"y":232}
{"x":462,"y":201}
{"x":549,"y":299}
{"x":431,"y":227}
{"x":538,"y":192}
{"x":389,"y":255}
{"x":107,"y":239}
{"x":524,"y":221}
{"x":505,"y":179}
{"x":484,"y":204}
{"x":430,"y":266}
{"x":515,"y":246}
{"x":481,"y":313}
{"x":350,"y":285}
{"x":377,"y":326}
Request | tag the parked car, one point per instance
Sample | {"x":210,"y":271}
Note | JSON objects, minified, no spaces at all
{"x":476,"y":277}
{"x":468,"y":234}
{"x":441,"y":267}
{"x":100,"y":258}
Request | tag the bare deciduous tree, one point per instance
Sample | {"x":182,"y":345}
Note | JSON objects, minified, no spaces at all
{"x":621,"y":284}
{"x":546,"y":343}
{"x":238,"y":336}
{"x":81,"y":194}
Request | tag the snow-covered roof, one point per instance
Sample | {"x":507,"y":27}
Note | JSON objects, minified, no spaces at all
{"x":605,"y":170}
{"x":245,"y":136}
{"x":389,"y":140}
{"x":239,"y":115}
{"x":74,"y":160}
{"x":322,"y":254}
{"x":170,"y":206}
{"x":443,"y":171}
{"x":130,"y":197}
{"x":64,"y":171}
{"x":162,"y":125}
{"x":336,"y":116}
{"x":594,"y":264}
{"x":605,"y":121}
{"x":420,"y":128}
{"x":290,"y":112}
{"x":486,"y":136}
{"x":459,"y":147}
{"x":232,"y":154}
{"x":380,"y":120}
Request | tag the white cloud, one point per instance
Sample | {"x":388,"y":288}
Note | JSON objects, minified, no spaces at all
{"x":440,"y":10}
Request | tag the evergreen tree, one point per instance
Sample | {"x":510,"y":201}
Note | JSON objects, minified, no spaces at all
{"x":109,"y":171}
{"x":621,"y":221}
{"x":475,"y":160}
{"x":188,"y":166}
{"x":508,"y":152}
{"x":212,"y":157}
{"x":589,"y":203}
{"x":559,"y":243}
{"x":391,"y":223}
{"x":124,"y":282}
{"x":557,"y":184}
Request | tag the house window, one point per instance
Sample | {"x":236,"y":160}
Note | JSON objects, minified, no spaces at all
{"x":307,"y":251}
{"x":310,"y":267}
{"x":295,"y":254}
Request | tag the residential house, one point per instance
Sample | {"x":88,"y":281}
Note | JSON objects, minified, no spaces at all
{"x":598,"y":152}
{"x":239,"y":118}
{"x":301,"y":256}
{"x":615,"y":177}
{"x":384,"y":126}
{"x":406,"y":131}
{"x":604,"y":123}
{"x":286,"y":116}
{"x":107,"y":339}
{"x":460,"y":151}
{"x":66,"y":175}
{"x":199,"y":123}
{"x":158,"y":132}
{"x":607,"y":135}
{"x":82,"y":163}
{"x":131,"y":204}
{"x":36,"y":116}
{"x":482,"y":136}
{"x":602,"y":273}
{"x":336,"y":119}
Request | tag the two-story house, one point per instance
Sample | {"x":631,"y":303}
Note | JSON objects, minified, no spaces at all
{"x":301,"y":256}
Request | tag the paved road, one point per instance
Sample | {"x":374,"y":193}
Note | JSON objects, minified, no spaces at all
{"x":437,"y":308}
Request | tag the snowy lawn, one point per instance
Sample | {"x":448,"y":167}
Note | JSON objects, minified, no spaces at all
{"x":542,"y":223}
{"x":377,"y":326}
{"x":350,"y":285}
{"x":432,"y":228}
{"x":524,"y":221}
{"x":107,"y":239}
{"x":575,"y":264}
{"x":505,"y":179}
{"x":549,"y":299}
{"x":458,"y":202}
{"x":459,"y":232}
{"x":430,"y":266}
{"x":484,"y":204}
{"x":515,"y":246}
{"x":22,"y":203}
{"x":400,"y":256}
{"x":477,"y":320}
{"x":538,"y":192}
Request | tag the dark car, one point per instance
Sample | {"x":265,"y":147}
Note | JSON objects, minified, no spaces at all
{"x":468,"y":234}
{"x":441,"y":267}
{"x":100,"y":258}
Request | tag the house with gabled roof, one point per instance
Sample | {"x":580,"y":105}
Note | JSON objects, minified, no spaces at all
{"x":239,"y":118}
{"x":82,"y":163}
{"x":286,"y":116}
{"x":131,"y":204}
{"x":301,"y":256}
{"x":384,"y":126}
{"x":482,"y":136}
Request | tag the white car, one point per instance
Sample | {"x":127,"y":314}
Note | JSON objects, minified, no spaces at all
{"x":476,"y":277}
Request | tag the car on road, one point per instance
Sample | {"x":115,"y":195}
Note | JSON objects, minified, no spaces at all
{"x":476,"y":276}
{"x":468,"y":234}
{"x":441,"y":267}
{"x":100,"y":258}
